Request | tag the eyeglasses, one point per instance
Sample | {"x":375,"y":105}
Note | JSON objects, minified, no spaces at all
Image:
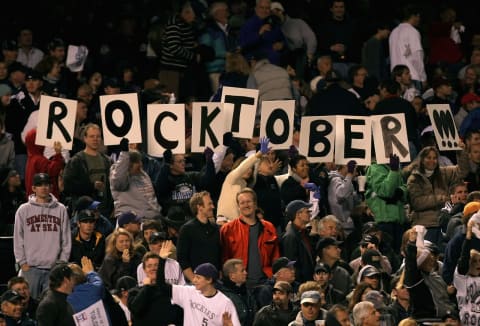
{"x":309,"y":304}
{"x":88,"y":221}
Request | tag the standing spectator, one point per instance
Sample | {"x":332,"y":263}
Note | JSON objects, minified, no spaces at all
{"x":251,"y":239}
{"x":400,"y":307}
{"x":54,"y":309}
{"x":12,"y":195}
{"x":86,"y":174}
{"x":262,"y":33}
{"x":178,"y":51}
{"x":386,"y":195}
{"x":26,"y":101}
{"x":296,"y":243}
{"x":341,"y":194}
{"x":322,"y":276}
{"x":338,"y":37}
{"x":9,"y":52}
{"x":428,"y":291}
{"x":233,"y":286}
{"x":300,"y":39}
{"x":120,"y":259}
{"x":28,"y":54}
{"x":401,"y":74}
{"x":374,"y":53}
{"x":428,"y":186}
{"x":199,"y":238}
{"x":37,"y":163}
{"x":7,"y":147}
{"x":406,"y":46}
{"x":217,"y":36}
{"x":40,"y":240}
{"x":216,"y":310}
{"x":281,"y":311}
{"x":469,"y":102}
{"x":132,"y":188}
{"x":102,"y":224}
{"x":466,"y":277}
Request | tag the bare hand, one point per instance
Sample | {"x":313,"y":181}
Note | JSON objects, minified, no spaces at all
{"x":87,"y":265}
{"x":166,"y":249}
{"x":265,"y":28}
{"x":276,"y":165}
{"x":339,"y":48}
{"x":25,"y":267}
{"x":227,"y":319}
{"x":57,"y":147}
{"x":147,"y":281}
{"x":126,"y":256}
{"x":412,"y":235}
{"x":277,"y":46}
{"x":451,"y":289}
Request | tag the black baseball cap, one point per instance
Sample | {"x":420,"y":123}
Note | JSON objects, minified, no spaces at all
{"x":322,"y":267}
{"x":369,"y":238}
{"x":158,"y":237}
{"x":86,"y":215}
{"x":41,"y":179}
{"x":325,"y":242}
{"x":282,"y":262}
{"x":11,"y":296}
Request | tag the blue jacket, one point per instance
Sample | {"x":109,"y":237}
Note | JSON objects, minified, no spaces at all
{"x":220,"y":42}
{"x":471,"y":122}
{"x":86,"y":294}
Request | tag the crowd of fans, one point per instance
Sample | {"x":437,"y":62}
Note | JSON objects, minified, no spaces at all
{"x":244,"y":235}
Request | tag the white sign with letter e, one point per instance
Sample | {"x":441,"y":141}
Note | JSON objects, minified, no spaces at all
{"x":94,"y":315}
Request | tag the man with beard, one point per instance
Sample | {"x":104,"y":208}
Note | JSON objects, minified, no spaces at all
{"x":281,"y":311}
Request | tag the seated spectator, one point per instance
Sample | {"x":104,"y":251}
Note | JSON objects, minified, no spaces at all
{"x":365,"y":314}
{"x":87,"y":242}
{"x":102,"y":224}
{"x":173,"y":271}
{"x":454,"y":207}
{"x":323,"y":275}
{"x":147,"y":303}
{"x":283,"y":270}
{"x":400,"y":306}
{"x":132,"y":188}
{"x":130,"y":222}
{"x":338,"y":315}
{"x":281,"y":311}
{"x":7,"y":147}
{"x":368,"y":243}
{"x":20,"y":285}
{"x":12,"y":309}
{"x":358,"y":294}
{"x":120,"y":294}
{"x":120,"y":258}
{"x":329,"y":253}
{"x":401,"y":74}
{"x":310,"y":309}
{"x":234,"y":287}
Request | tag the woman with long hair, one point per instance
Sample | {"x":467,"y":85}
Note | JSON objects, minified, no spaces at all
{"x":120,"y":259}
{"x":428,"y":187}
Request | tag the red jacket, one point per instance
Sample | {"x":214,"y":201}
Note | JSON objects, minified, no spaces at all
{"x":234,"y":240}
{"x":37,"y":163}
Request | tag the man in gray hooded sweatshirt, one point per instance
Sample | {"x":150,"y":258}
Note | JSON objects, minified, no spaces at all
{"x":41,"y":235}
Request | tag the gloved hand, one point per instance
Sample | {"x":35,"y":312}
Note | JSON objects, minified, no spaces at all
{"x":351,"y":165}
{"x":292,"y":151}
{"x":124,"y":145}
{"x":317,"y":194}
{"x":208,"y":152}
{"x":264,"y":141}
{"x":310,"y":186}
{"x":167,"y":156}
{"x":227,"y":139}
{"x":394,"y":162}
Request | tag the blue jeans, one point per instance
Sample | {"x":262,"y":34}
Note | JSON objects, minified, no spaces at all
{"x":37,"y":280}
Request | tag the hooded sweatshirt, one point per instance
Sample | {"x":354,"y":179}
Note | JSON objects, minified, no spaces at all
{"x":37,"y":163}
{"x":42,"y":233}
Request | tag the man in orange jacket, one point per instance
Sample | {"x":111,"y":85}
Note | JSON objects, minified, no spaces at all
{"x":238,"y":236}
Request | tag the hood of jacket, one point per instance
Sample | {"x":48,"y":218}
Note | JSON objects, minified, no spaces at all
{"x":32,"y":148}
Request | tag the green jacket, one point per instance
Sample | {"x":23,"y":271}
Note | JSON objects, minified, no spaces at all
{"x":386,"y":194}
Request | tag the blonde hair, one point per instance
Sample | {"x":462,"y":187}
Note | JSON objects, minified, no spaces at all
{"x":309,"y":286}
{"x":408,"y":322}
{"x":235,"y":62}
{"x":111,"y":249}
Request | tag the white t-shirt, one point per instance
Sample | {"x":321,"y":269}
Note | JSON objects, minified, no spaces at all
{"x":406,"y":49}
{"x":201,"y":310}
{"x":468,"y":297}
{"x":173,"y":273}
